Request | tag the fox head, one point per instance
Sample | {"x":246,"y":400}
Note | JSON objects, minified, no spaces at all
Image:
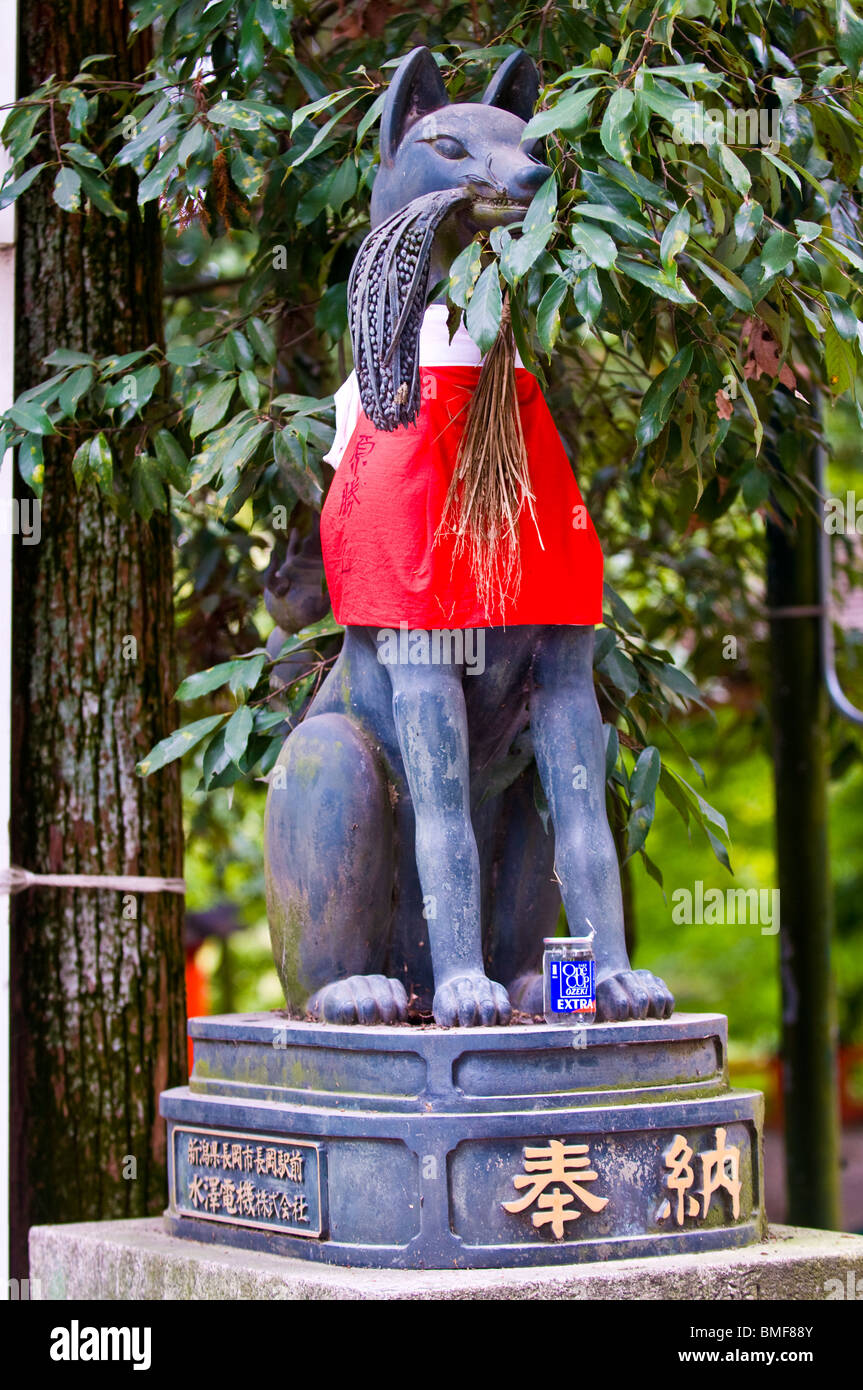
{"x":429,"y":144}
{"x":447,"y":171}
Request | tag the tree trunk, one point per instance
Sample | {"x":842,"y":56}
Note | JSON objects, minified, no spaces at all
{"x":97,"y":977}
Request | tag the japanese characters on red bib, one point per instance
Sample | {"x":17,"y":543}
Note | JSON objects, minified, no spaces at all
{"x":382,"y":513}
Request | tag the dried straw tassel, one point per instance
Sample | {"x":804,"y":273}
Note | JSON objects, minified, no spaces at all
{"x":491,"y":482}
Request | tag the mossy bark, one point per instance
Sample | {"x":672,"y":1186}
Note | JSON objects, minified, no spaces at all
{"x":98,"y":992}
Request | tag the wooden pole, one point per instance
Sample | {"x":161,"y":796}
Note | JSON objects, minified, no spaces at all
{"x":799,"y":708}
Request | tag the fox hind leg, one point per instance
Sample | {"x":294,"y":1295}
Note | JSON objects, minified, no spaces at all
{"x":330,"y":867}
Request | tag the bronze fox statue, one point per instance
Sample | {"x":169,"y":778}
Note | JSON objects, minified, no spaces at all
{"x":406,"y":857}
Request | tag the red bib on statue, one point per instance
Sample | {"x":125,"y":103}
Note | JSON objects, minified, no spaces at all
{"x":378,"y":527}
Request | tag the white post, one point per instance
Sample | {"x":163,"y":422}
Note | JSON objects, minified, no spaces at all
{"x":8,"y":93}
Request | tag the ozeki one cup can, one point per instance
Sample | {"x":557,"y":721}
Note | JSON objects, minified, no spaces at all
{"x":569,"y":979}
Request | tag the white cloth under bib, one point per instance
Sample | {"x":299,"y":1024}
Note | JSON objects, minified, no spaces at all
{"x":436,"y":350}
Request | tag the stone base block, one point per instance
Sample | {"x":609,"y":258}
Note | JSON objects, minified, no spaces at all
{"x":133,"y":1261}
{"x":412,"y":1148}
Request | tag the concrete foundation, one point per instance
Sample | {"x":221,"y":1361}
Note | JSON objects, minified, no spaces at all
{"x":139,"y":1260}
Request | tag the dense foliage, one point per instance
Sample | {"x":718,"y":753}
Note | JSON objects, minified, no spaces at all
{"x":685,"y":286}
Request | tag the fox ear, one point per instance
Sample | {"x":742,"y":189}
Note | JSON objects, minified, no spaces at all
{"x":515,"y":86}
{"x":416,"y":89}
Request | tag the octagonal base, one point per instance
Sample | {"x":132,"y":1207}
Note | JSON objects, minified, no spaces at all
{"x":424,"y":1148}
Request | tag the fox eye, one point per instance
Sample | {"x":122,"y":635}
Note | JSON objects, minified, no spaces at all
{"x":449,"y":147}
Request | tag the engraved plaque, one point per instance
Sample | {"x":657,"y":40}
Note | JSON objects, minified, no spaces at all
{"x":262,"y":1180}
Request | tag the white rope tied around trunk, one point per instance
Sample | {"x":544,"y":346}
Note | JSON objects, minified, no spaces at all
{"x":15,"y":880}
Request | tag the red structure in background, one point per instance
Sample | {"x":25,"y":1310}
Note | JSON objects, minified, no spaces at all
{"x":197,"y":993}
{"x":221,"y":920}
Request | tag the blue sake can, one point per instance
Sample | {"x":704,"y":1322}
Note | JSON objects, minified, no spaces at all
{"x":569,"y":979}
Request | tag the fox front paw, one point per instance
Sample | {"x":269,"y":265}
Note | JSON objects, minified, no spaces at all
{"x":632,"y":994}
{"x":471,"y":1001}
{"x":360,"y":999}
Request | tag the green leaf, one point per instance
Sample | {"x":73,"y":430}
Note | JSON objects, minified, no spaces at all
{"x":178,"y":743}
{"x":331,"y":315}
{"x":807,"y":231}
{"x":484,"y":310}
{"x":112,"y":366}
{"x":203,"y":682}
{"x":548,"y":314}
{"x":612,"y":748}
{"x":844,"y":318}
{"x":674,"y":238}
{"x":212,"y":406}
{"x":637,"y":231}
{"x":31,"y":417}
{"x":238,"y":732}
{"x":637,"y":829}
{"x":747,"y":220}
{"x":587,"y":294}
{"x":154,"y":183}
{"x":183,"y":355}
{"x":274,"y":17}
{"x":174,"y":464}
{"x":290,"y":454}
{"x":371,"y":116}
{"x":31,"y":464}
{"x":464,"y":273}
{"x":778,"y":250}
{"x":148,"y":138}
{"x":101,"y":462}
{"x":839,"y":360}
{"x":250,"y":48}
{"x":97,"y":191}
{"x":520,"y":253}
{"x":65,"y":357}
{"x":622,"y":672}
{"x":660,"y":395}
{"x":11,"y":191}
{"x":314,"y":108}
{"x":596,"y":245}
{"x":677,"y":292}
{"x":755,"y":488}
{"x":543,"y":207}
{"x":617,"y":125}
{"x":568,"y":114}
{"x":638,"y":185}
{"x":735,"y":168}
{"x":849,"y":36}
{"x":236,"y":115}
{"x":644,"y":779}
{"x":148,"y":488}
{"x":244,"y":679}
{"x":675,"y":680}
{"x":260,"y":336}
{"x":250,"y":389}
{"x":846,"y":253}
{"x":88,"y":158}
{"x":74,"y":388}
{"x":718,"y":849}
{"x":731,"y":286}
{"x":81,"y":462}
